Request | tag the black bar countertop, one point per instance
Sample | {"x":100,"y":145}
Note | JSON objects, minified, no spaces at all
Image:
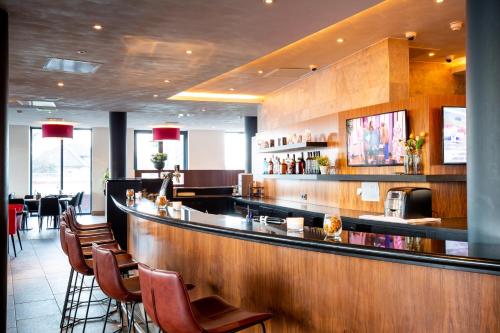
{"x":387,"y":247}
{"x":447,"y":229}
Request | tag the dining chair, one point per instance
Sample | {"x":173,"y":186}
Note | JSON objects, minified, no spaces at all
{"x":25,"y":210}
{"x":14,"y":224}
{"x":80,"y":199}
{"x":49,"y":207}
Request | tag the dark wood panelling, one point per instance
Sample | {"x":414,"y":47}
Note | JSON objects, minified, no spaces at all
{"x":319,"y":292}
{"x":204,"y":178}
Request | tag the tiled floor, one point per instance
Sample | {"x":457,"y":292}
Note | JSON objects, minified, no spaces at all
{"x":37,"y":281}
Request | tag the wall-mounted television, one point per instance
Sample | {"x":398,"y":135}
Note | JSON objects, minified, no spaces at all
{"x":454,"y":135}
{"x":375,"y":140}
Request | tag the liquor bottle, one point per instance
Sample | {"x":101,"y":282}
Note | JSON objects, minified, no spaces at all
{"x":277,"y":165}
{"x":284,"y":167}
{"x":270,"y":166}
{"x":313,"y":164}
{"x":292,"y":165}
{"x":287,"y":161}
{"x":308,"y":163}
{"x":301,"y":165}
{"x":264,"y":167}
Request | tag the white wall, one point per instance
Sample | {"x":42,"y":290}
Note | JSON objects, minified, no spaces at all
{"x":19,"y":160}
{"x":206,"y":150}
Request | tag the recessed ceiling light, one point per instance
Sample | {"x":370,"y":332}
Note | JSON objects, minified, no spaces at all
{"x":60,"y":84}
{"x":260,"y":72}
{"x":268,"y":2}
{"x":439,"y":1}
{"x":155,"y":96}
{"x":340,"y":40}
{"x":432,"y":54}
{"x":81,"y":51}
{"x":180,"y":115}
{"x":231,"y":89}
{"x":97,"y":27}
{"x":189,"y":52}
{"x":166,"y":81}
{"x":203,"y":109}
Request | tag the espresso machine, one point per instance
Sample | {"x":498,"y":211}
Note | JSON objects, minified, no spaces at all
{"x":408,"y":202}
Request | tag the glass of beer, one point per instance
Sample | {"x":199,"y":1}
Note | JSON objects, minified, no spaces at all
{"x":161,"y":202}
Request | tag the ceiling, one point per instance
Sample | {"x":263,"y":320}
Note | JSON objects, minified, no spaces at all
{"x":388,"y":19}
{"x":140,"y":45}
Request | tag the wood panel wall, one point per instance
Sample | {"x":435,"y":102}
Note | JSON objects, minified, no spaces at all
{"x":318,"y":292}
{"x":424,"y":114}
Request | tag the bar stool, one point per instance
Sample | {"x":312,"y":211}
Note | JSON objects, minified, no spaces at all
{"x":84,"y":267}
{"x":85,"y":243}
{"x":71,"y":215}
{"x":122,"y":289}
{"x":167,"y":302}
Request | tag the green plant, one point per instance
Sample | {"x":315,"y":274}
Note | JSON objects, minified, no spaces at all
{"x":323,"y":160}
{"x":158,"y":157}
{"x":105,"y":177}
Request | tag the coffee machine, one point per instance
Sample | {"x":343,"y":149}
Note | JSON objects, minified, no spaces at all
{"x":408,"y":202}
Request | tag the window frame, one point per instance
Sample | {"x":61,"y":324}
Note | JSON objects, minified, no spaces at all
{"x":61,"y":153}
{"x":184,"y":134}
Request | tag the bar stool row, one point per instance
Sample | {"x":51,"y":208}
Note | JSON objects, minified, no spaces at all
{"x":93,"y":252}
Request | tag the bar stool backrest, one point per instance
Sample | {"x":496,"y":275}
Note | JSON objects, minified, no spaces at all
{"x":166,"y":300}
{"x":62,"y":235}
{"x":75,"y":253}
{"x":108,"y":274}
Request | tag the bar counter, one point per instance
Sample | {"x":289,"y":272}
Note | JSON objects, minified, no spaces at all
{"x":366,"y":282}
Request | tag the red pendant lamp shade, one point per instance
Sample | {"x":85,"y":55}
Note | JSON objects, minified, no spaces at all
{"x":166,"y":133}
{"x":57,"y":130}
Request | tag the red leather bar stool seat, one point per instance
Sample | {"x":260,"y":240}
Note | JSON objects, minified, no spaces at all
{"x":167,"y":302}
{"x":106,"y":265}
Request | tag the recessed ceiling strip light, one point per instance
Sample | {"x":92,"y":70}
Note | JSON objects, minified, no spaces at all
{"x":188,"y":95}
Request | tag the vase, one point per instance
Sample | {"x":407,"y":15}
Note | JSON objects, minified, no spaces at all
{"x":408,"y":163}
{"x":159,"y":165}
{"x":323,"y":169}
{"x":418,"y":166}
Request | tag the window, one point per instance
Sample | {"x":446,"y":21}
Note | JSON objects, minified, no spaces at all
{"x":145,"y":147}
{"x":234,"y":151}
{"x":62,"y":166}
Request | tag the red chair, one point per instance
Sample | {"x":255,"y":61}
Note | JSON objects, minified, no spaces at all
{"x":167,"y":302}
{"x":15,"y":220}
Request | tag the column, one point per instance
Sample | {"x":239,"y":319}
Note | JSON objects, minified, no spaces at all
{"x":250,"y":131}
{"x":483,"y":127}
{"x":118,"y":144}
{"x":4,"y":55}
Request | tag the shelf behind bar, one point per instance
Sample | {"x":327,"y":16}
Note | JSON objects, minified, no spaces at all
{"x":375,"y":178}
{"x":294,"y":147}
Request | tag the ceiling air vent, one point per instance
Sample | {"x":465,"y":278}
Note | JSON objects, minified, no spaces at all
{"x":287,"y":72}
{"x":71,"y":66}
{"x":41,"y":104}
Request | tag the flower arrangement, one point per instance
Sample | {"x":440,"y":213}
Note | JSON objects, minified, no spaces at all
{"x":413,"y":157}
{"x":323,"y":160}
{"x":159,"y":157}
{"x":414,"y":143}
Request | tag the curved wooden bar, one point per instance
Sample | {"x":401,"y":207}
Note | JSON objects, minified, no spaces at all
{"x":309,"y":291}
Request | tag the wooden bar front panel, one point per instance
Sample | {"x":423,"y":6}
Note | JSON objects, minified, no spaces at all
{"x":319,"y":292}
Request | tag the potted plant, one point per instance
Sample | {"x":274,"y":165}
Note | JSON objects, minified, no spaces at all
{"x":323,"y":162}
{"x":105,"y":178}
{"x":158,"y":160}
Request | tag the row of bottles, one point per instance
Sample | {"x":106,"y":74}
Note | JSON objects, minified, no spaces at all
{"x":292,"y":166}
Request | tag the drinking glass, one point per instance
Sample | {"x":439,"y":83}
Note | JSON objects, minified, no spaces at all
{"x":332,"y":226}
{"x":130,"y":193}
{"x":161,"y":202}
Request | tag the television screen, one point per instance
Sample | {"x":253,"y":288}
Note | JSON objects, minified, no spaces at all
{"x":454,"y":138}
{"x":375,"y":140}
